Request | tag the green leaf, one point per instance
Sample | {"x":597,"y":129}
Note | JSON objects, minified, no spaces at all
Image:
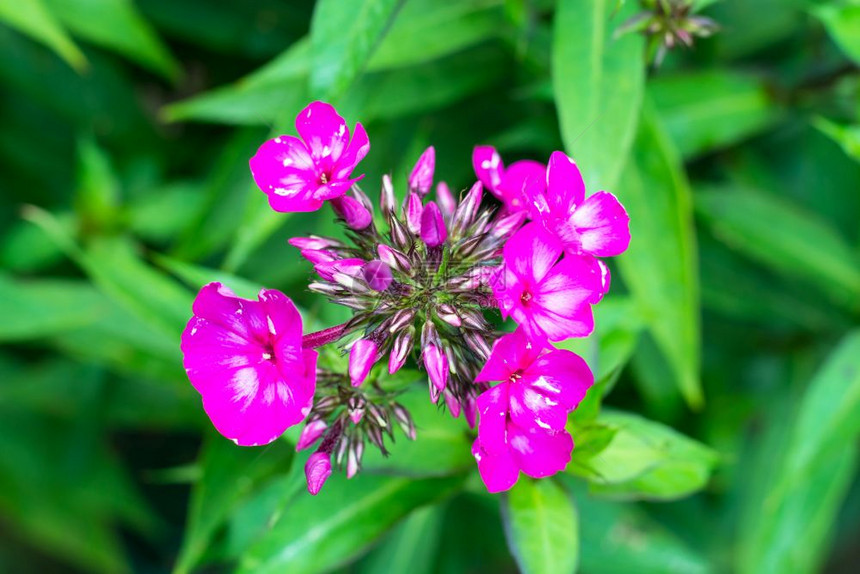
{"x":40,"y":308}
{"x":848,"y":137}
{"x":117,"y":25}
{"x":315,"y":534}
{"x":196,"y":276}
{"x":706,"y":110}
{"x":660,"y":267}
{"x":598,"y":82}
{"x":783,"y":236}
{"x":411,"y":546}
{"x":230,"y":474}
{"x":647,"y":460}
{"x":33,"y":18}
{"x":97,"y":192}
{"x":541,"y":527}
{"x":343,"y":37}
{"x":788,"y":529}
{"x":842,"y":20}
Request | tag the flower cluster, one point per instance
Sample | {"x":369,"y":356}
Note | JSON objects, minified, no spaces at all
{"x":424,"y":279}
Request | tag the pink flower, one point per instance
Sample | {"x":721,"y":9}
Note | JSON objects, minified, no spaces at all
{"x":549,"y":298}
{"x":544,"y":384}
{"x":246,"y":359}
{"x":299,"y":174}
{"x":510,"y":185}
{"x":317,"y":471}
{"x":597,"y":225}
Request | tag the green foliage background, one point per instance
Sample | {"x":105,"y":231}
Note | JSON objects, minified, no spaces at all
{"x":730,"y":342}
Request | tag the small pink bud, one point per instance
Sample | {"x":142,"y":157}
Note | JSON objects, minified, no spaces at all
{"x":351,"y":267}
{"x":400,"y":319}
{"x":468,"y":209}
{"x":312,"y":431}
{"x":447,"y":313}
{"x":433,"y":231}
{"x":413,"y":210}
{"x":445,"y":200}
{"x":355,"y":407}
{"x":350,"y":210}
{"x":436,"y":364}
{"x":353,"y":459}
{"x":317,"y":470}
{"x":387,"y":200}
{"x":362,"y":198}
{"x":362,"y":355}
{"x":399,"y":234}
{"x":421,"y":178}
{"x":313,"y":242}
{"x":393,"y":258}
{"x":453,"y":404}
{"x":403,"y":418}
{"x":378,"y":275}
{"x":507,"y":225}
{"x":470,"y":411}
{"x":319,"y":256}
{"x":434,"y":392}
{"x":400,"y":351}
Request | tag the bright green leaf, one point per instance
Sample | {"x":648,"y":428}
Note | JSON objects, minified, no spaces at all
{"x":848,"y":137}
{"x":842,"y":20}
{"x":33,"y":18}
{"x":541,"y":527}
{"x":598,"y":81}
{"x":411,"y":547}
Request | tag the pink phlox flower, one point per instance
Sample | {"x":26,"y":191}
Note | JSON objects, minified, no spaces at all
{"x":597,"y":225}
{"x":511,"y":185}
{"x":550,"y":299}
{"x":246,"y":359}
{"x":299,"y":174}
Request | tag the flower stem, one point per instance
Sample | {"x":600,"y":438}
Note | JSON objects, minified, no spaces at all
{"x":324,"y":337}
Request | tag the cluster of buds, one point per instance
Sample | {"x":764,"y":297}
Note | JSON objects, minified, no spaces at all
{"x":419,"y":276}
{"x":668,"y":24}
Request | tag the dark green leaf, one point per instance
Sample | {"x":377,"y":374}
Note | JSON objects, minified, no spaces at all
{"x":848,"y":137}
{"x":411,"y":546}
{"x":842,"y":20}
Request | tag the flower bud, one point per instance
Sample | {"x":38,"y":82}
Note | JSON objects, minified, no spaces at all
{"x":312,"y":431}
{"x":399,"y":235}
{"x":447,"y":313}
{"x":421,"y":178}
{"x":350,"y":282}
{"x":400,"y":351}
{"x":473,"y":320}
{"x":350,"y":210}
{"x":327,"y":269}
{"x":445,"y":200}
{"x":326,"y":288}
{"x":387,"y":200}
{"x":353,"y":458}
{"x":378,"y":275}
{"x":393,"y":258}
{"x":401,"y":319}
{"x":507,"y":225}
{"x":413,"y":210}
{"x":314,"y":242}
{"x":429,"y":335}
{"x":467,"y":210}
{"x":362,"y":198}
{"x":316,"y":256}
{"x":362,"y":355}
{"x":453,"y":403}
{"x":355,"y":408}
{"x":470,"y":410}
{"x":436,"y":363}
{"x":380,"y":417}
{"x":478,"y":344}
{"x":317,"y":470}
{"x":434,"y":392}
{"x":404,"y":419}
{"x":433,"y":231}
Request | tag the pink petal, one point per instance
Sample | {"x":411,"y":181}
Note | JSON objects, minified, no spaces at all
{"x":540,"y":453}
{"x":357,"y":150}
{"x":530,"y":253}
{"x":284,"y":170}
{"x":512,"y":352}
{"x":498,"y":471}
{"x":603,"y":225}
{"x":317,"y":471}
{"x":556,"y":327}
{"x":560,"y":375}
{"x":564,"y":184}
{"x":529,"y":407}
{"x":493,"y":411}
{"x":488,"y":167}
{"x":282,"y":322}
{"x":362,"y":355}
{"x":324,"y":132}
{"x":520,"y":181}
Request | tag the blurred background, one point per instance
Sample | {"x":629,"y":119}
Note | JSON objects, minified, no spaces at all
{"x":125,"y":132}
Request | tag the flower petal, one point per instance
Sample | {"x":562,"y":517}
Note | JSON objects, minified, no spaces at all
{"x":540,"y":453}
{"x":603,"y":225}
{"x":530,"y":253}
{"x":324,"y":132}
{"x":354,"y":153}
{"x":520,"y":181}
{"x":488,"y":167}
{"x":512,"y":352}
{"x":560,"y":375}
{"x":493,"y":410}
{"x":564,"y":184}
{"x":498,"y":471}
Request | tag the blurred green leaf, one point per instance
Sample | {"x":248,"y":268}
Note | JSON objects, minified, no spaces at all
{"x":842,"y":20}
{"x":315,"y":534}
{"x":343,"y":36}
{"x":646,"y":460}
{"x":411,"y":546}
{"x":598,"y":81}
{"x":541,"y":527}
{"x":32,"y":17}
{"x":97,"y":193}
{"x":116,"y":25}
{"x":706,"y":110}
{"x":804,"y":491}
{"x":784,"y":237}
{"x":230,"y":473}
{"x":196,"y":277}
{"x":848,"y":137}
{"x":660,"y":267}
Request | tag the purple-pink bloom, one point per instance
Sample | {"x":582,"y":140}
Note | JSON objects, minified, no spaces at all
{"x":317,"y":471}
{"x":362,"y":355}
{"x":549,"y":298}
{"x":299,"y":174}
{"x":421,"y":178}
{"x":597,"y":225}
{"x":433,"y":230}
{"x":246,"y":359}
{"x":510,"y":185}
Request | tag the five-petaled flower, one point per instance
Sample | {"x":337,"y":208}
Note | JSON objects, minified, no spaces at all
{"x":300,"y":174}
{"x":246,"y":359}
{"x":512,"y":185}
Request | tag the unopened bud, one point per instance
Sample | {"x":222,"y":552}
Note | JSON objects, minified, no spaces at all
{"x":313,"y":430}
{"x":433,"y":230}
{"x":429,"y":334}
{"x":404,"y":419}
{"x":350,"y":282}
{"x":399,"y":234}
{"x":445,"y":200}
{"x":350,"y":210}
{"x":317,"y":471}
{"x":362,"y":198}
{"x":353,"y":458}
{"x":377,"y":275}
{"x":477,"y":343}
{"x":506,"y":226}
{"x":400,"y":319}
{"x":412,"y":211}
{"x":393,"y":258}
{"x":362,"y":355}
{"x":421,"y":178}
{"x":467,"y":210}
{"x":317,"y":256}
{"x":436,"y":363}
{"x":400,"y":350}
{"x":447,"y":313}
{"x":326,"y":288}
{"x":473,"y":320}
{"x":350,"y":266}
{"x":380,"y":417}
{"x":314,"y":242}
{"x":470,"y":410}
{"x":355,"y":408}
{"x":453,"y":403}
{"x":387,"y":201}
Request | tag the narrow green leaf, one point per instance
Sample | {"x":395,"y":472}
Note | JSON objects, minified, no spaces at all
{"x":117,"y":25}
{"x":32,"y":17}
{"x":788,"y":530}
{"x":541,"y":527}
{"x":598,"y":81}
{"x":707,"y":110}
{"x":315,"y":534}
{"x":784,"y":237}
{"x":842,"y":20}
{"x":848,"y":137}
{"x":411,"y":547}
{"x":343,"y":37}
{"x":660,"y":267}
{"x":196,"y":276}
